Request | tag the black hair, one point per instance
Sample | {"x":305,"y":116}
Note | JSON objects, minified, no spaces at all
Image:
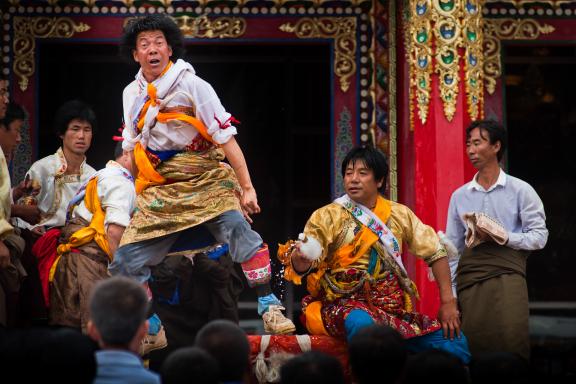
{"x":496,"y":132}
{"x":377,"y":346}
{"x":228,"y":344}
{"x":68,"y":357}
{"x":154,"y":22}
{"x":312,"y":367}
{"x":118,"y":150}
{"x":13,"y":112}
{"x":374,"y":160}
{"x":70,"y":110}
{"x":436,"y":366}
{"x":188,"y":363}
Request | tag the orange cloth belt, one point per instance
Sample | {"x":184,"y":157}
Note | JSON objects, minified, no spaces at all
{"x":94,"y":231}
{"x":147,"y":175}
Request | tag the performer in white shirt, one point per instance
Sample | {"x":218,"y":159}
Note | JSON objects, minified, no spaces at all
{"x":97,"y":217}
{"x":61,"y":174}
{"x":180,"y":134}
{"x":59,"y":177}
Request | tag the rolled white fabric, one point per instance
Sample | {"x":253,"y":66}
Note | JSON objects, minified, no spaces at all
{"x":310,"y":247}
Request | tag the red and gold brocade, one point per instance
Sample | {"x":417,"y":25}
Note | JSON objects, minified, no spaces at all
{"x":382,"y":293}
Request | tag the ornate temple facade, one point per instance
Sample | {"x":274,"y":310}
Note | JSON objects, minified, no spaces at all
{"x":407,"y":76}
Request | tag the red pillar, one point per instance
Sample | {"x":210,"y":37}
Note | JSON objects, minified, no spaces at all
{"x":440,"y":166}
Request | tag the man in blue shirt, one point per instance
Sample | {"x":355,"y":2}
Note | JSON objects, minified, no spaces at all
{"x":491,"y":271}
{"x":118,"y":309}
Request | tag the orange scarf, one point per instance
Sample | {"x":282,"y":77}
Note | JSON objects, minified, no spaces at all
{"x":364,"y":239}
{"x":94,"y":231}
{"x":147,"y":175}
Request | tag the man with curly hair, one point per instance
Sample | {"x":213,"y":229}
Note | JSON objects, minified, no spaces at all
{"x":180,"y":133}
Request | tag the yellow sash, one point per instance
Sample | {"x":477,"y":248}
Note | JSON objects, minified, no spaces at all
{"x":345,"y":255}
{"x":147,"y":175}
{"x":94,"y":231}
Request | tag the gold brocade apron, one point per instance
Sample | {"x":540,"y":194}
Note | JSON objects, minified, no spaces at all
{"x":493,"y":298}
{"x":198,"y":188}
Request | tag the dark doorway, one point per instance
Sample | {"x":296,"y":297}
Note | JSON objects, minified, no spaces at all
{"x":280,"y":93}
{"x":541,"y":122}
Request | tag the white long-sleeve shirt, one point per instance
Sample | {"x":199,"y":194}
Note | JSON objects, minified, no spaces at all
{"x":116,"y":194}
{"x":180,"y":86}
{"x":57,"y":188}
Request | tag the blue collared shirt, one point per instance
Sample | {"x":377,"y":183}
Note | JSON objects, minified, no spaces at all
{"x":511,"y":201}
{"x":116,"y":366}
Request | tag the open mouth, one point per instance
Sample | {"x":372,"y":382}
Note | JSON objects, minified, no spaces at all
{"x":154,"y":62}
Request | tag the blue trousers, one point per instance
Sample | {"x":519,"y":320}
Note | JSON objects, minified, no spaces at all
{"x":134,"y":259}
{"x":358,"y":319}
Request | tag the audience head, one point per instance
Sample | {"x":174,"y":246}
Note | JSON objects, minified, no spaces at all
{"x":377,"y":346}
{"x":312,"y":367}
{"x":228,"y":344}
{"x":189,"y":363}
{"x":435,"y":366}
{"x":506,"y":366}
{"x":69,"y":357}
{"x":35,"y":355}
{"x":118,"y":310}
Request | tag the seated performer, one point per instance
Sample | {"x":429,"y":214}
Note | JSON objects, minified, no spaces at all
{"x":61,"y":174}
{"x":10,"y":137}
{"x":180,"y":132}
{"x":97,"y":217}
{"x":11,"y":245}
{"x":351,"y":255}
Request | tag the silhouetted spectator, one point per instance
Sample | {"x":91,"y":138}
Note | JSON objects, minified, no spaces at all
{"x":228,"y":344}
{"x":435,"y":366}
{"x":376,"y":349}
{"x":118,"y":309}
{"x":69,"y":357}
{"x":46,"y":355}
{"x":190,"y":364}
{"x":503,"y":367}
{"x":312,"y":367}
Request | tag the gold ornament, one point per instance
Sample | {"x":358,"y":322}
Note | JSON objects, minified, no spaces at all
{"x":342,"y":30}
{"x":27,"y":30}
{"x":496,"y":30}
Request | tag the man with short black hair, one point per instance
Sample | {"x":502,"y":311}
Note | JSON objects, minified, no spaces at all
{"x":350,"y":253}
{"x":494,"y":221}
{"x":118,"y":311}
{"x":11,"y":245}
{"x":10,"y":137}
{"x":61,"y":174}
